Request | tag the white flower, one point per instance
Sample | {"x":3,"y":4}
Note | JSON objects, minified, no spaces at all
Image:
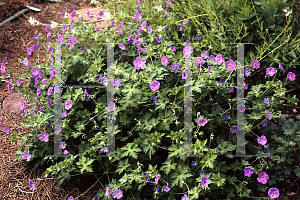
{"x":158,"y":8}
{"x":33,"y":21}
{"x":66,"y":15}
{"x":54,"y":24}
{"x":107,"y":15}
{"x":94,"y":2}
{"x":286,"y":12}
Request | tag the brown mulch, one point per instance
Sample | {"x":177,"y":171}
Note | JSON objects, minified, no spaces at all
{"x":15,"y":36}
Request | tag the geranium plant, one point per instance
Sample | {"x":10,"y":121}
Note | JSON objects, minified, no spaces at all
{"x":150,"y":76}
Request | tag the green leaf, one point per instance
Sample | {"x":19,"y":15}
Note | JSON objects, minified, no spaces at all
{"x":208,"y":160}
{"x":84,"y":163}
{"x":297,"y":171}
{"x":236,"y":166}
{"x":254,"y":115}
{"x":180,"y":174}
{"x":168,"y":165}
{"x":130,"y":149}
{"x":200,"y":145}
{"x":291,"y":128}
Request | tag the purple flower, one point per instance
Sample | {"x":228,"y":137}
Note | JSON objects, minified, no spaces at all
{"x":117,"y":194}
{"x":107,"y":193}
{"x":248,"y":171}
{"x":68,"y":104}
{"x":263,"y":177}
{"x":155,"y":188}
{"x":154,"y":99}
{"x":199,"y":60}
{"x":184,"y":75}
{"x":147,"y":177}
{"x":57,"y":130}
{"x":64,"y":28}
{"x":204,"y":54}
{"x":26,"y":156}
{"x":281,"y":67}
{"x":269,"y":115}
{"x":62,"y":145}
{"x":262,"y":140}
{"x":226,"y":117}
{"x":194,"y":164}
{"x":25,"y":61}
{"x":264,"y":124}
{"x":247,"y":72}
{"x":35,"y":72}
{"x":176,"y":67}
{"x":222,"y":80}
{"x":38,"y":92}
{"x":266,"y":101}
{"x":198,"y":38}
{"x":104,"y":149}
{"x":241,"y":108}
{"x":168,"y":3}
{"x":255,"y":64}
{"x":6,"y":130}
{"x":49,"y":90}
{"x":158,"y":39}
{"x":139,"y":17}
{"x":149,"y":29}
{"x":269,"y":154}
{"x":219,"y":59}
{"x":8,"y":85}
{"x":165,"y":28}
{"x":167,"y":14}
{"x":164,"y":60}
{"x":231,"y":90}
{"x":63,"y":13}
{"x":270,"y":71}
{"x":202,"y":122}
{"x":64,"y":114}
{"x":187,"y":51}
{"x":117,"y":82}
{"x":208,"y":68}
{"x":65,"y":152}
{"x":47,"y":27}
{"x":230,"y":65}
{"x":139,"y":63}
{"x":273,"y":193}
{"x":105,"y":81}
{"x":291,"y":76}
{"x":201,"y":171}
{"x":48,"y":35}
{"x":70,"y":198}
{"x":173,"y":48}
{"x":45,"y":81}
{"x":154,"y":85}
{"x":234,"y":128}
{"x":166,"y":188}
{"x":184,"y":197}
{"x":31,"y":185}
{"x":156,"y":179}
{"x":181,"y":27}
{"x":245,"y":86}
{"x":111,"y":106}
{"x":121,"y":46}
{"x":204,"y":181}
{"x":44,"y":137}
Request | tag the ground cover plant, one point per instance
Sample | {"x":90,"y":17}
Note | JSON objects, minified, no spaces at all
{"x":149,"y":89}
